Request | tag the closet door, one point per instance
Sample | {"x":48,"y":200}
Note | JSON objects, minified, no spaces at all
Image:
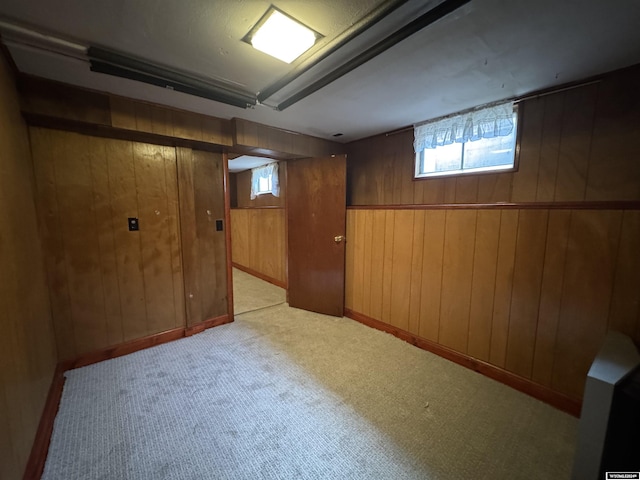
{"x":108,"y":283}
{"x":202,"y":225}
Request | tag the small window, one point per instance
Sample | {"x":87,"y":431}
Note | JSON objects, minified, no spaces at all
{"x":480,"y":141}
{"x":265,"y":180}
{"x":264,"y":184}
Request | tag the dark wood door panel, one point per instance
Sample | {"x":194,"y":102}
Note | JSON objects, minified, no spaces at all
{"x":316,"y":216}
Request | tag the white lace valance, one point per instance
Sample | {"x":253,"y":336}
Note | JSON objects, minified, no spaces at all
{"x":265,"y":172}
{"x":494,"y":121}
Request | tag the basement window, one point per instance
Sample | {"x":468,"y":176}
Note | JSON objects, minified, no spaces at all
{"x":481,"y":140}
{"x":265,"y":180}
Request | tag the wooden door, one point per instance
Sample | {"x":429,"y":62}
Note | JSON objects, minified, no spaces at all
{"x":204,"y":251}
{"x":108,"y":285}
{"x":316,"y":227}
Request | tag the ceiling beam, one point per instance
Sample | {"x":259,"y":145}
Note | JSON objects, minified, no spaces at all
{"x":432,"y":16}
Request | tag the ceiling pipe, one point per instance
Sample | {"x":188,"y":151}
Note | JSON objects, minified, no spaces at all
{"x":113,"y":63}
{"x":433,"y":15}
{"x":352,"y":32}
{"x":28,"y":37}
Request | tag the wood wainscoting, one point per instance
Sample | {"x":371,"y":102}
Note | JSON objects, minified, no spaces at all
{"x":109,"y":285}
{"x":258,"y":240}
{"x":27,"y":342}
{"x":530,"y":291}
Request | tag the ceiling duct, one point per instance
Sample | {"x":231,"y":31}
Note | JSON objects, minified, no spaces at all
{"x":113,"y":63}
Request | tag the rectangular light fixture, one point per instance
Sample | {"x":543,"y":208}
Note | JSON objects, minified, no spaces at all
{"x":281,"y":36}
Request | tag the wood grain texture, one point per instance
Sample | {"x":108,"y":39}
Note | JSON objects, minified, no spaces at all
{"x":401,"y":269}
{"x":552,"y":129}
{"x":552,"y":397}
{"x":258,"y":240}
{"x":457,"y":274}
{"x":46,"y":98}
{"x":54,"y":99}
{"x":227,"y":236}
{"x":483,"y":284}
{"x":27,"y":341}
{"x":530,"y":292}
{"x":316,"y":214}
{"x":551,"y":295}
{"x":504,"y":286}
{"x":614,"y":169}
{"x":40,"y":449}
{"x":567,"y":223}
{"x":145,"y":117}
{"x":263,"y":140}
{"x":430,"y":293}
{"x":108,"y":285}
{"x":525,"y":294}
{"x":586,"y":295}
{"x":201,"y":199}
{"x":625,"y":298}
{"x":575,"y":145}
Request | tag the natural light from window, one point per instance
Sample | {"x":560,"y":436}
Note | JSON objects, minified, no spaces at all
{"x":264,"y":184}
{"x":447,"y":151}
{"x":264,"y":180}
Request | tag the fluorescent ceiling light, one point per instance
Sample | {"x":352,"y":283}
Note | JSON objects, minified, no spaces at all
{"x":281,"y":36}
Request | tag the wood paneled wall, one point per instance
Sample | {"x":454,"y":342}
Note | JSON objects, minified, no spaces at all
{"x":57,"y":105}
{"x":200,"y":176}
{"x":145,"y":117}
{"x":531,"y":289}
{"x":258,"y":139}
{"x":576,"y":145}
{"x":258,"y":240}
{"x":27,"y":343}
{"x":243,"y":190}
{"x":108,"y":284}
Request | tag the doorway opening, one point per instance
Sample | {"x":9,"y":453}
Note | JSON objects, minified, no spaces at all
{"x":257,"y":197}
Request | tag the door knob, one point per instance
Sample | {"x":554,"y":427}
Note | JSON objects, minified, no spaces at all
{"x":338,"y":238}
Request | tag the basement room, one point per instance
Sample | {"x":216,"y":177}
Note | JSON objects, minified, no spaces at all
{"x":319,"y":239}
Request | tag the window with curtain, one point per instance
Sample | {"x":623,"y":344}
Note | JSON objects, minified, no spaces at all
{"x":265,"y":180}
{"x":482,"y":140}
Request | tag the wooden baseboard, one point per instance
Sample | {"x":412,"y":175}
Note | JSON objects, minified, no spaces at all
{"x":122,"y":349}
{"x":545,"y":394}
{"x":261,"y":276}
{"x":212,"y":322}
{"x":40,"y":448}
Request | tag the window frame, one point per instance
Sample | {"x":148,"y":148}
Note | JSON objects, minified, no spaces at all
{"x":494,"y":171}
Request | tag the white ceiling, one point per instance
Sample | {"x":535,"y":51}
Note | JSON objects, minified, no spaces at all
{"x":246,"y":162}
{"x":485,"y":51}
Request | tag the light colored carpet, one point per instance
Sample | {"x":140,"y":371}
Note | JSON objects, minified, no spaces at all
{"x":251,"y":293}
{"x":283,"y":393}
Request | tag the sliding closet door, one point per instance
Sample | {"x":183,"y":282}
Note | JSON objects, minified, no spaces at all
{"x":201,"y":185}
{"x":108,"y":212}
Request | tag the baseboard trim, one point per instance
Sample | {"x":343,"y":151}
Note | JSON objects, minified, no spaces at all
{"x":204,"y":325}
{"x":261,"y":276}
{"x":122,"y":349}
{"x":558,"y":400}
{"x":40,"y":448}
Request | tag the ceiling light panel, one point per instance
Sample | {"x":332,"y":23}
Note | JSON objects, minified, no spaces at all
{"x":281,"y":36}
